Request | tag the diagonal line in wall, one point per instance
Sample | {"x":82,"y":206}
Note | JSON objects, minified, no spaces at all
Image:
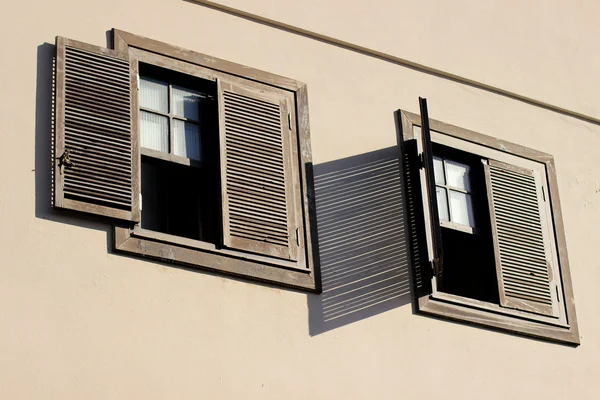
{"x":395,"y":60}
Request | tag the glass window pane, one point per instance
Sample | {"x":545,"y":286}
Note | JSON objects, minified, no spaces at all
{"x":461,"y":208}
{"x":458,"y":175}
{"x":186,"y":103}
{"x":186,"y":139}
{"x":154,"y":94}
{"x":442,"y":203}
{"x":438,"y":171}
{"x":154,"y":131}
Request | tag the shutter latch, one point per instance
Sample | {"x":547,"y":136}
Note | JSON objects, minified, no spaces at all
{"x":543,"y":193}
{"x":64,"y":161}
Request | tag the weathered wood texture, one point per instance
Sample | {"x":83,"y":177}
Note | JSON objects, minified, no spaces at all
{"x":563,"y":329}
{"x":96,"y":152}
{"x":258,"y":197}
{"x":523,"y":267}
{"x":216,"y":261}
{"x":291,"y":97}
{"x":124,"y":40}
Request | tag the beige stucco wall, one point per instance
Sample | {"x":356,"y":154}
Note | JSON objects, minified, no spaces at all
{"x":77,"y":321}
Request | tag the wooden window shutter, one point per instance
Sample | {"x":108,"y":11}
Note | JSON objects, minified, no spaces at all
{"x":434,"y":219}
{"x":260,"y":208}
{"x":522,"y":243}
{"x":96,"y":167}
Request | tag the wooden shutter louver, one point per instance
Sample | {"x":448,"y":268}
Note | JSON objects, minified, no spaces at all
{"x":522,"y":260}
{"x":258,"y":201}
{"x":95,"y":169}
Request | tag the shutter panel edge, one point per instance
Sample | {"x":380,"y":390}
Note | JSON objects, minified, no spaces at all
{"x":81,"y":68}
{"x":437,"y":258}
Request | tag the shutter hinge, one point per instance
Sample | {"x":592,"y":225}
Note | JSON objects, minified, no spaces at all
{"x":436,"y":267}
{"x":557,"y":296}
{"x":138,"y":81}
{"x":421,"y":161}
{"x":297,"y":236}
{"x":290,"y":121}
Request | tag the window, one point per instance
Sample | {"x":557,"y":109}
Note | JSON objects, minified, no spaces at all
{"x":171,"y":114}
{"x":199,"y":161}
{"x":179,"y":145}
{"x":454,"y":192}
{"x":461,"y":198}
{"x":491,"y":226}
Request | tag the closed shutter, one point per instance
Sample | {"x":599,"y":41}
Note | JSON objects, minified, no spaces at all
{"x":260,"y":208}
{"x":96,"y":167}
{"x":521,"y":239}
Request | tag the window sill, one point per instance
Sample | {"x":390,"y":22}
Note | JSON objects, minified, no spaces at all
{"x":497,"y":309}
{"x":170,"y":157}
{"x":203,"y":255}
{"x":457,"y":227}
{"x":476,"y":312}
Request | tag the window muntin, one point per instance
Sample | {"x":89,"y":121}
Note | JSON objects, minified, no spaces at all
{"x":453,"y":191}
{"x":170,"y":115}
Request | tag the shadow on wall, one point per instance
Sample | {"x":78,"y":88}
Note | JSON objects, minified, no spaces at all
{"x":363,"y":244}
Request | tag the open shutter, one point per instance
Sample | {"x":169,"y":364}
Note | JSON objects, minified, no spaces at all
{"x":259,"y":203}
{"x":521,"y":241}
{"x":96,"y":168}
{"x":434,"y":219}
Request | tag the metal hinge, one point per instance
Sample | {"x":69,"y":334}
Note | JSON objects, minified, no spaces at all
{"x":421,"y":161}
{"x":436,"y":267}
{"x":435,"y":263}
{"x":138,"y":81}
{"x":290,"y":121}
{"x":297,"y":236}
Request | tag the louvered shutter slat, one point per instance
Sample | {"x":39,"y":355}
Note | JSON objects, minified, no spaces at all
{"x":96,"y":168}
{"x":522,"y":263}
{"x":259,"y":212}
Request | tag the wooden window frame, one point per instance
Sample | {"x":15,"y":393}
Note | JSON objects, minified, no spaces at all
{"x":132,"y":239}
{"x":472,"y":311}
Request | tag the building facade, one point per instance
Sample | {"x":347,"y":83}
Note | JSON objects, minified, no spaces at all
{"x":109,"y":294}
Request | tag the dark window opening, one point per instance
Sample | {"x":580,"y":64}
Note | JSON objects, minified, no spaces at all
{"x":469,"y":261}
{"x":179,"y":117}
